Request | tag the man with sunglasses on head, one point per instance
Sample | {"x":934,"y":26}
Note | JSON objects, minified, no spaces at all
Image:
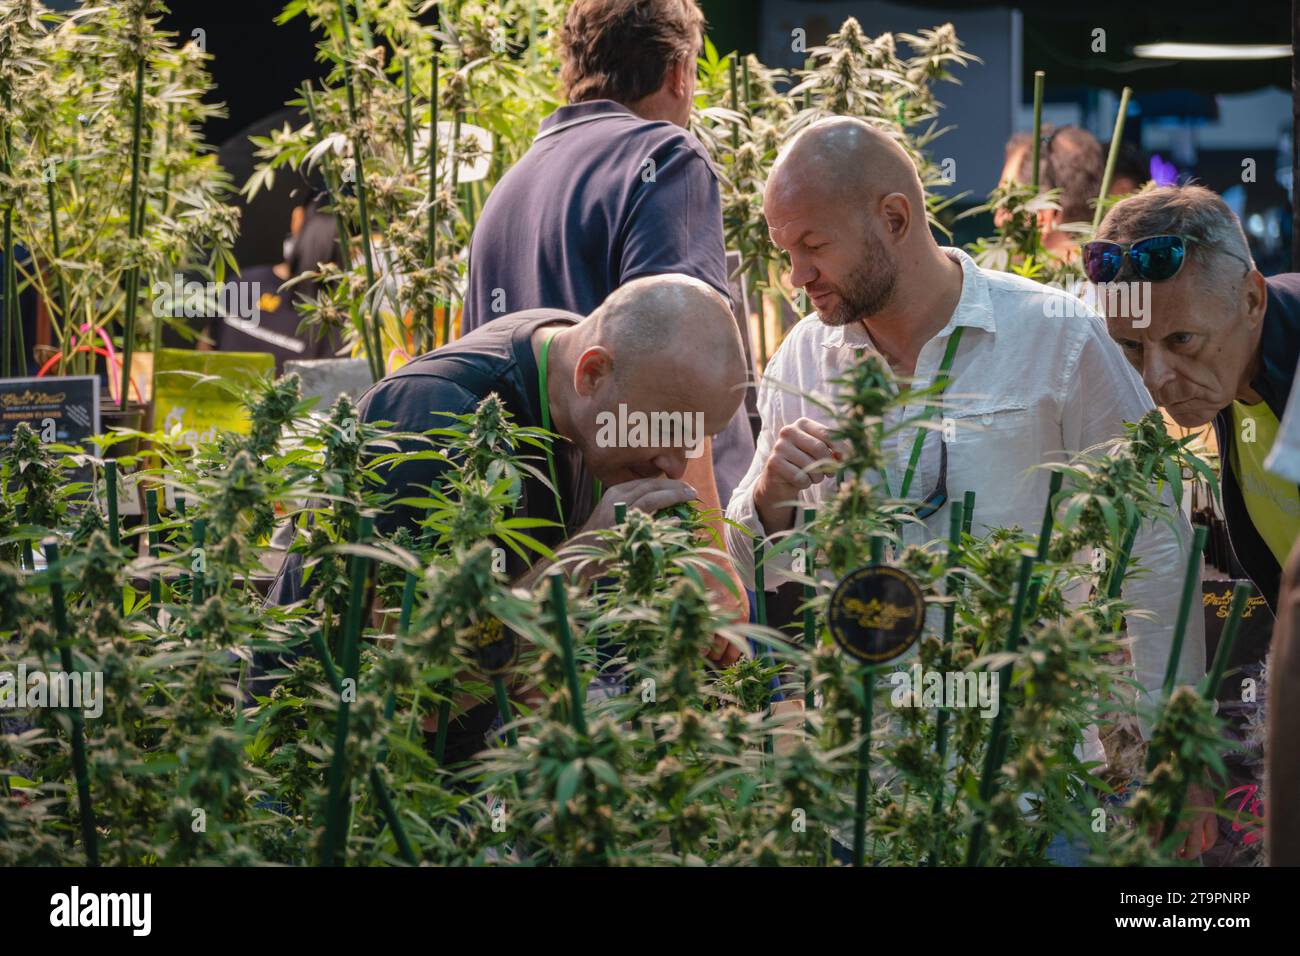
{"x":1215,"y":342}
{"x":1029,"y":381}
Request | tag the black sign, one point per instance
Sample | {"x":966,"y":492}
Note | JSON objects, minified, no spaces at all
{"x":495,"y":647}
{"x":57,"y":409}
{"x":876,"y":613}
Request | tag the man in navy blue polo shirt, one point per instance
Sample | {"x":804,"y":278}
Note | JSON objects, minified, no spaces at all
{"x":613,"y":188}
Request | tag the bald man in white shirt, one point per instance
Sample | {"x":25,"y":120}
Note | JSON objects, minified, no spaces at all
{"x":1032,"y":380}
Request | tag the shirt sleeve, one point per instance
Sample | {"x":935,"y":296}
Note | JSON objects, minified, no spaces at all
{"x":1102,"y":394}
{"x":771,"y":408}
{"x":674,"y":223}
{"x":413,"y":404}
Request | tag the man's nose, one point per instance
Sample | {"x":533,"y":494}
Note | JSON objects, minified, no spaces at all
{"x":801,"y":274}
{"x":672,"y":462}
{"x":1157,"y":373}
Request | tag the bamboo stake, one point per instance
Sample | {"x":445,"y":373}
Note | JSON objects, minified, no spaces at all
{"x":363,"y":209}
{"x":134,"y":224}
{"x":58,"y":254}
{"x":407,"y":127}
{"x":1039,"y":77}
{"x":89,"y":838}
{"x":1112,"y":156}
{"x":433,"y":187}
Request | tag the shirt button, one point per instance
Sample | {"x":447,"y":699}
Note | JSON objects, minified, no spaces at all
{"x":987,"y":419}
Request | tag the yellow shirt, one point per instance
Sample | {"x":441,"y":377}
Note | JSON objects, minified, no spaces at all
{"x":1273,"y":503}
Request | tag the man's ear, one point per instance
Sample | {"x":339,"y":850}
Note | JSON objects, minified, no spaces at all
{"x":1255,"y":297}
{"x":896,"y":214}
{"x":593,"y":367}
{"x":676,"y":76}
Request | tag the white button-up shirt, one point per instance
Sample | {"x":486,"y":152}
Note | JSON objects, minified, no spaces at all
{"x":1035,"y":379}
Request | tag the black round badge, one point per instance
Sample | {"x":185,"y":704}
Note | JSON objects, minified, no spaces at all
{"x":495,"y":647}
{"x":876,"y":613}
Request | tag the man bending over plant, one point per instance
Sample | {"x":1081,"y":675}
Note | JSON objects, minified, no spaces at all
{"x":1029,"y":383}
{"x":632,"y":392}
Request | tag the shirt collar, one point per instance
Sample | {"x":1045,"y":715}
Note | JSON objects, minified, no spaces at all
{"x":974,"y":308}
{"x":582,"y":111}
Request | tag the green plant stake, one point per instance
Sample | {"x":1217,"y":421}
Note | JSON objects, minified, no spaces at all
{"x":334,"y":847}
{"x":196,"y":586}
{"x":110,"y":493}
{"x":382,"y":796}
{"x":503,"y":705}
{"x":1044,"y":538}
{"x":89,"y":838}
{"x":1111,"y":157}
{"x":993,"y":755}
{"x":809,"y":618}
{"x":1191,"y":580}
{"x":949,"y":622}
{"x":967,"y":512}
{"x":1039,"y":77}
{"x":864,"y":769}
{"x":1210,"y":686}
{"x":1240,"y":594}
{"x":151,"y":515}
{"x":620,"y":512}
{"x":559,"y":610}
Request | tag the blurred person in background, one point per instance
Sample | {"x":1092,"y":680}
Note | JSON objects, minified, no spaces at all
{"x":275,"y":327}
{"x":1070,"y":160}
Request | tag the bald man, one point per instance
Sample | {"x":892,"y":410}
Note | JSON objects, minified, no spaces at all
{"x":1032,"y":380}
{"x":632,"y":392}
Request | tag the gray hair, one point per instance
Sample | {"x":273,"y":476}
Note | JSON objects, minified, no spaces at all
{"x":1195,"y":212}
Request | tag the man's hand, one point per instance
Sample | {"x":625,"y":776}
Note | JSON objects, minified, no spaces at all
{"x":799,"y":459}
{"x":647,"y":494}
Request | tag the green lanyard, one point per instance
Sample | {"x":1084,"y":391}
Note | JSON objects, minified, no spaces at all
{"x":545,"y":398}
{"x":941,"y":378}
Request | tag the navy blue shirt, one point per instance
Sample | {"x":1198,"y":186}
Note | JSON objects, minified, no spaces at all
{"x":602,"y":197}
